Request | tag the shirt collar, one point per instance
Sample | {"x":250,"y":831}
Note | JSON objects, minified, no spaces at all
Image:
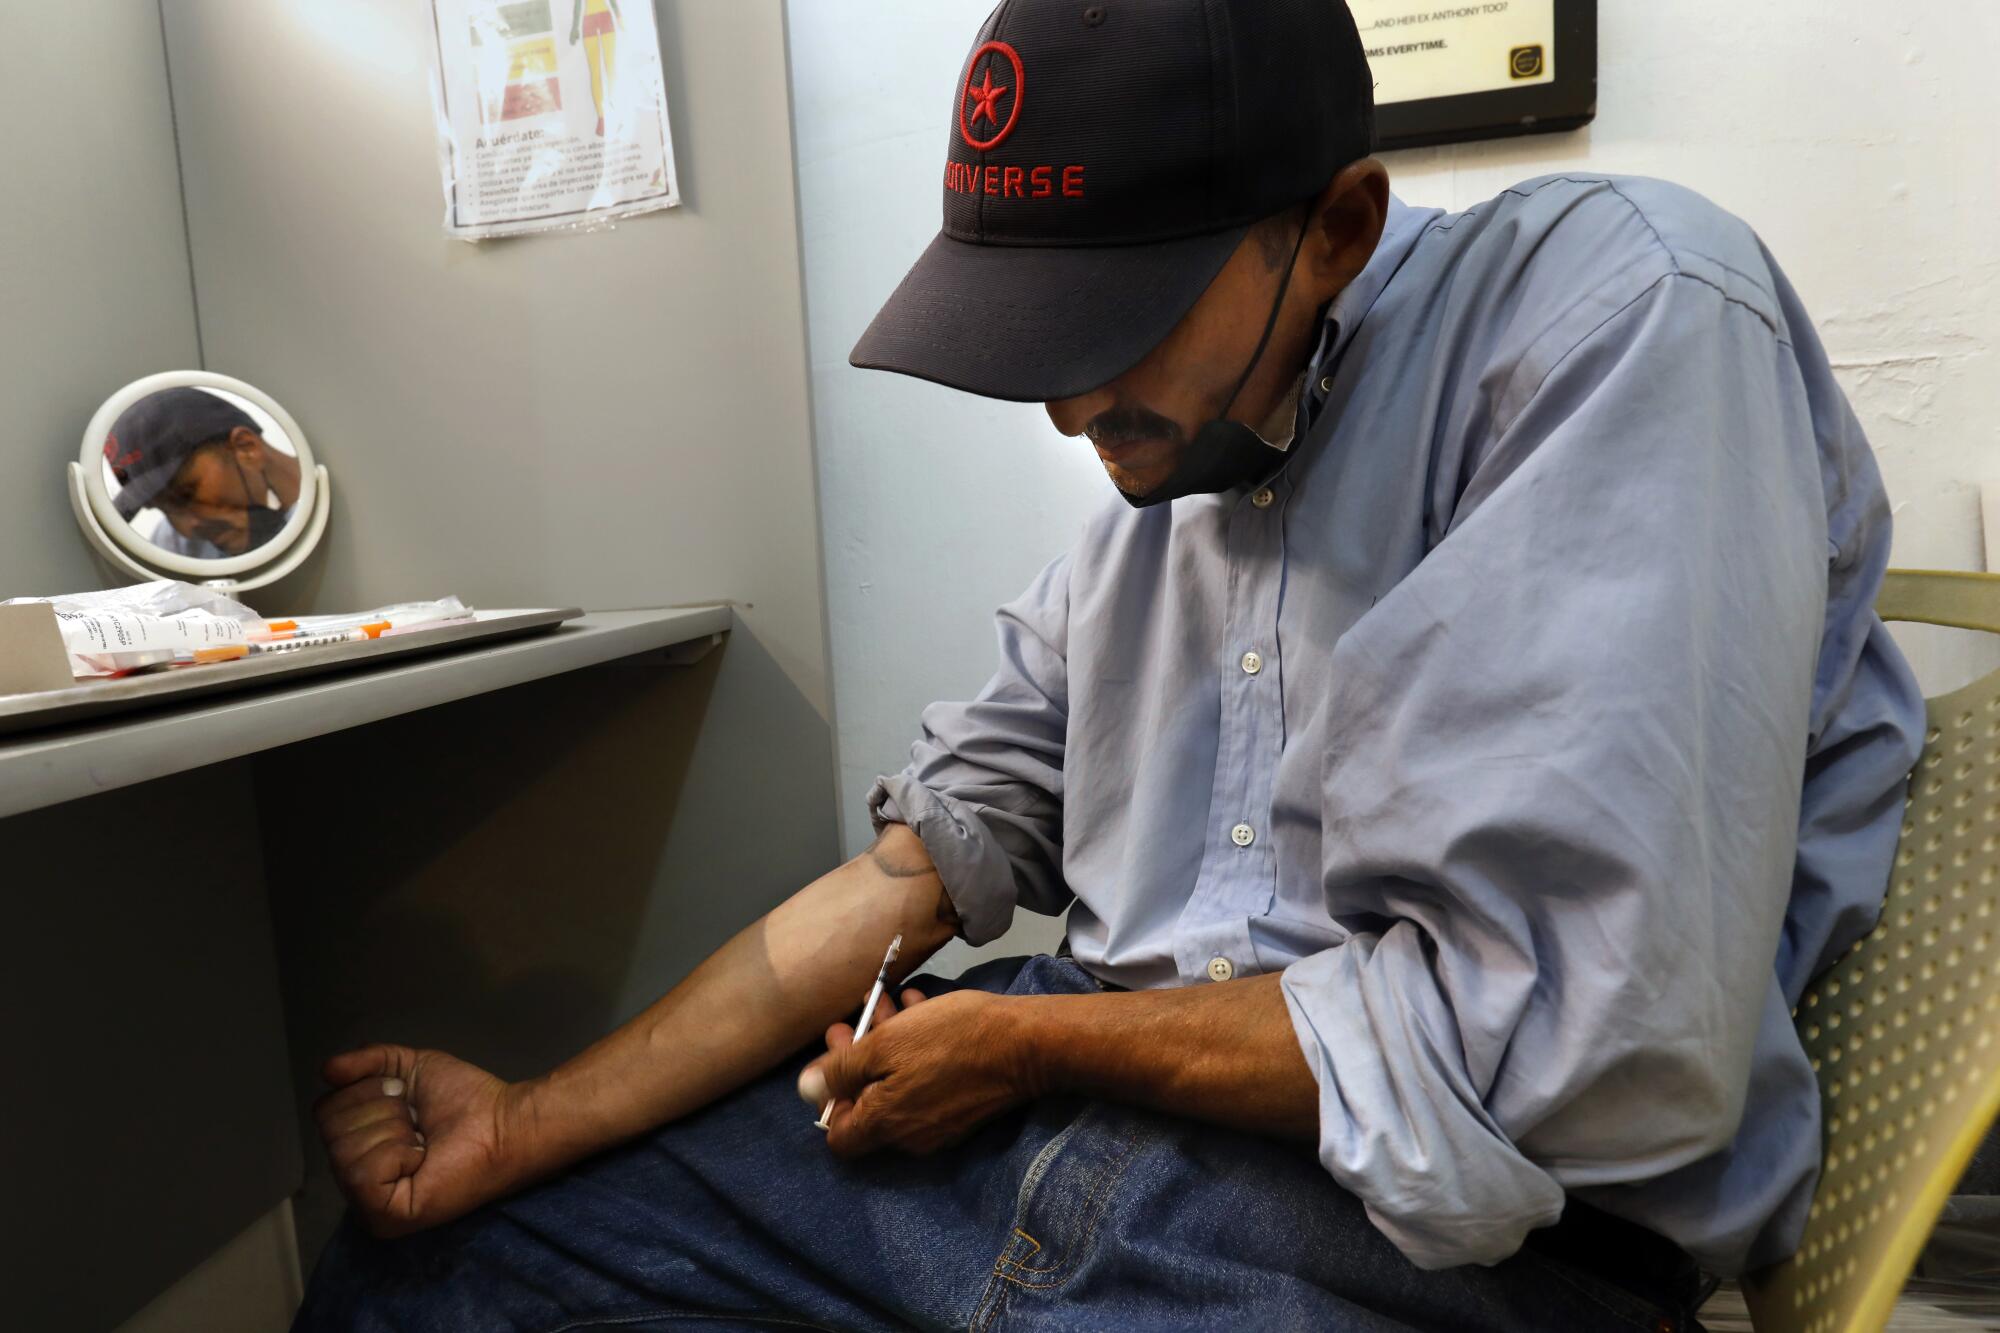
{"x":1400,"y":229}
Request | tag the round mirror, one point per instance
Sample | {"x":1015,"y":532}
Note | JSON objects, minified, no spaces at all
{"x":198,"y":476}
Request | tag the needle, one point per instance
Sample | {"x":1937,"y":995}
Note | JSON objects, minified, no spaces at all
{"x":868,"y":1011}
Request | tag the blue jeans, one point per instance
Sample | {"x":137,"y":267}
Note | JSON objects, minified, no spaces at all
{"x":1067,"y":1214}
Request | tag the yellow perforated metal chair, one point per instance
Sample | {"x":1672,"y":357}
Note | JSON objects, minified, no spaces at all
{"x":1904,"y":1030}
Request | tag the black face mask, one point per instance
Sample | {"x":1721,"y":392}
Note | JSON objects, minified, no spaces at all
{"x":1225,"y":453}
{"x":265,"y":522}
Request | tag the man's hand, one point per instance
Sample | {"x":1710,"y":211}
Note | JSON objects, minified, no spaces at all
{"x":923,"y":1078}
{"x":419,"y":1137}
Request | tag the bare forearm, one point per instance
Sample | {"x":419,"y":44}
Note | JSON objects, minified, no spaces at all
{"x":1224,"y":1053}
{"x":761,"y":996}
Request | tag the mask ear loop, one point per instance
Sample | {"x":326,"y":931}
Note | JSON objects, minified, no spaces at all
{"x":249,"y":501}
{"x":1271,"y":322}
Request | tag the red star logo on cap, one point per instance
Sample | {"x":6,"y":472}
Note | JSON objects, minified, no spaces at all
{"x":982,"y":100}
{"x":986,"y":96}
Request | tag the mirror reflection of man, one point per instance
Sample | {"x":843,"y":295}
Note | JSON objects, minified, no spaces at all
{"x":203,"y":462}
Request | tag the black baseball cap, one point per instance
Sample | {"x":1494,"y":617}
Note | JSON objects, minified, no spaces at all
{"x":1105,"y":161}
{"x":153,"y":437}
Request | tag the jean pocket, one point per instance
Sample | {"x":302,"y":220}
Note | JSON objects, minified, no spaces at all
{"x":1067,"y":1194}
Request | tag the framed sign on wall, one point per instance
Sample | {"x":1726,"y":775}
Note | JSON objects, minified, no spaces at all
{"x":1447,"y":71}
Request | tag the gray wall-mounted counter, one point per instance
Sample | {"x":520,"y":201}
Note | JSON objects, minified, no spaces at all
{"x":47,"y":766}
{"x":502,"y":851}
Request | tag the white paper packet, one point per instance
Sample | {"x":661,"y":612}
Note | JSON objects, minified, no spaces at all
{"x":119,"y":629}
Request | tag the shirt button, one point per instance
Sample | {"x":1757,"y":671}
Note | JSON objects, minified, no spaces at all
{"x":1220,"y":969}
{"x":1242,"y":835}
{"x":1252,"y":663}
{"x":1262,"y":499}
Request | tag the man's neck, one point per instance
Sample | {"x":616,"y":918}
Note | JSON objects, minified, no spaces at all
{"x":281,"y":474}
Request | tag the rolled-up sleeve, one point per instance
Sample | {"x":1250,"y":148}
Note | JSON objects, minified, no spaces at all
{"x":984,"y":784}
{"x":1561,"y":796}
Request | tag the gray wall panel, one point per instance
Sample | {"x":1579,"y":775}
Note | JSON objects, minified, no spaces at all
{"x":516,"y":873}
{"x":609,"y":419}
{"x":93,"y":257}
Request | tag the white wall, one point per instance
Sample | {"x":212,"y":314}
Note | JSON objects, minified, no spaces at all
{"x":936,"y":506}
{"x":1854,"y":135}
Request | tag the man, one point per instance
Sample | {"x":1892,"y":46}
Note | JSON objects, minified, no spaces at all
{"x":220,"y":488}
{"x":1455,"y":748}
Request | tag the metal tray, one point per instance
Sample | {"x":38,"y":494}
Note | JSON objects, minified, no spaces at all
{"x":88,"y":700}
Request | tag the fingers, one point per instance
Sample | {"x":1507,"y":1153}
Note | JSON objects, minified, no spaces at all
{"x":356,"y":1146}
{"x":813,"y":1088}
{"x":839,"y":1074}
{"x":845,"y":1071}
{"x":388,"y":1162}
{"x":362,"y":1117}
{"x":363,"y":1102}
{"x":352,"y":1119}
{"x":369,"y":1160}
{"x":823,"y":1081}
{"x":840,"y":1034}
{"x":853,"y":1129}
{"x":359,"y":1093}
{"x":349,"y":1134}
{"x":381,"y":1060}
{"x":891,"y":1002}
{"x":382,"y":1184}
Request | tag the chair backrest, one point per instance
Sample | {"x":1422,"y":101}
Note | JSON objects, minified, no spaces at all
{"x":1904,"y":1031}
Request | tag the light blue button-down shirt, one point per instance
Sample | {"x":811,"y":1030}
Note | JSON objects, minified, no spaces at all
{"x":1572,"y":747}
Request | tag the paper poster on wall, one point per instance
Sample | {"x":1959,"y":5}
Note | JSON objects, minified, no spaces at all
{"x":1452,"y":70}
{"x":551,"y":114}
{"x":1420,"y":48}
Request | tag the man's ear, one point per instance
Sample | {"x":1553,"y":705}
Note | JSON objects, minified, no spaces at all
{"x":1346,"y":225}
{"x":245,"y":443}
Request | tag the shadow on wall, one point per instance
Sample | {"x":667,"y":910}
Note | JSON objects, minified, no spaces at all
{"x":509,"y":877}
{"x":148,"y":1120}
{"x":674,"y":70}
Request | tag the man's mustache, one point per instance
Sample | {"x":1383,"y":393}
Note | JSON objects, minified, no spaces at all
{"x":217,"y":531}
{"x":1129,"y":423}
